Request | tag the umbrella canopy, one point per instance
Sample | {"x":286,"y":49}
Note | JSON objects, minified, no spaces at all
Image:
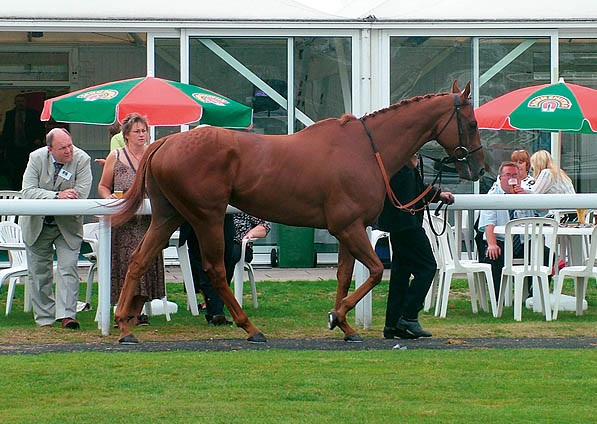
{"x":161,"y":101}
{"x":548,"y":107}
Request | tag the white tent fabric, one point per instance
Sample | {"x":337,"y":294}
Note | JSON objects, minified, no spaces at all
{"x":160,"y":10}
{"x":460,"y":10}
{"x":302,"y":10}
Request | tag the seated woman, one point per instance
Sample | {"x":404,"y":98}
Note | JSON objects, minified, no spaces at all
{"x":549,"y":178}
{"x":118,"y":176}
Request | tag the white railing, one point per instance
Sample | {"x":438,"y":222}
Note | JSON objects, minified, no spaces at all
{"x":100,"y":208}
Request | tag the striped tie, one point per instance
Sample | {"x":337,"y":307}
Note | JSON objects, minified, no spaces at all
{"x":57,"y":168}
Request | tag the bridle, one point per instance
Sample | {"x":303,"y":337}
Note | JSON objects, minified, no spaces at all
{"x":460,"y":154}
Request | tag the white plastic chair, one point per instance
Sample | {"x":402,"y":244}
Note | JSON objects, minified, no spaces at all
{"x":9,"y":194}
{"x":452,"y":265}
{"x":11,"y":233}
{"x":533,"y":240}
{"x":238,"y":278}
{"x":581,"y":275}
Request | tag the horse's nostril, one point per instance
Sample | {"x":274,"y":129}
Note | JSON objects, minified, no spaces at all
{"x":481,"y":172}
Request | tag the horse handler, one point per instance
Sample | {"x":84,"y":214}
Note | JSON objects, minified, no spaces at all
{"x":412,"y":254}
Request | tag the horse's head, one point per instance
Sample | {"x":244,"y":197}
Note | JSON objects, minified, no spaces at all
{"x":459,"y":136}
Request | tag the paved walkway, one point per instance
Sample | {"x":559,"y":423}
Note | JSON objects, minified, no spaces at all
{"x":320,"y":344}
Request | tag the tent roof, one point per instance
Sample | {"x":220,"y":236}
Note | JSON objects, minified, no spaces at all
{"x":300,"y":10}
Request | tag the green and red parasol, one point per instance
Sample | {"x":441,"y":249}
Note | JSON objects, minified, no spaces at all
{"x":548,"y":107}
{"x":161,"y":101}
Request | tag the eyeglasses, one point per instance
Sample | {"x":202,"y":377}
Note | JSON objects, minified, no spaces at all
{"x":510,"y":175}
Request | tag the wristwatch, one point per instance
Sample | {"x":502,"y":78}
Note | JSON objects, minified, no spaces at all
{"x":56,"y":195}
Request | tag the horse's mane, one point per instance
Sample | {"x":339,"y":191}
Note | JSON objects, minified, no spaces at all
{"x":404,"y":102}
{"x":348,"y":117}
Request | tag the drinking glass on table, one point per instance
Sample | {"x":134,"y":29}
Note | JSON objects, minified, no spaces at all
{"x":119,"y":193}
{"x":581,"y":216}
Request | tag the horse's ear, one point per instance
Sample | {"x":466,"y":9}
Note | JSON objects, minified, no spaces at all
{"x":467,"y":90}
{"x":455,"y":88}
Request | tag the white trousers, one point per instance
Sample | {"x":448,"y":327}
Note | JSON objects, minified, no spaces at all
{"x":47,"y":307}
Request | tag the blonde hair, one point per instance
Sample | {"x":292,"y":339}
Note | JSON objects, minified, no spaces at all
{"x":541,"y":160}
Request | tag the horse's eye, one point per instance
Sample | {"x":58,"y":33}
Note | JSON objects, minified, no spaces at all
{"x":472,"y":125}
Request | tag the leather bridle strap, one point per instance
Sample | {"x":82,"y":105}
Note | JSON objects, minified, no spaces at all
{"x":393,"y":199}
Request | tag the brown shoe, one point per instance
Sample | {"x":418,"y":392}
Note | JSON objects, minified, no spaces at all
{"x":70,"y":323}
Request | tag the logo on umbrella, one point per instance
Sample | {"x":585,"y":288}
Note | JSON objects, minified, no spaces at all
{"x":550,"y":102}
{"x":209,"y":98}
{"x":91,"y":96}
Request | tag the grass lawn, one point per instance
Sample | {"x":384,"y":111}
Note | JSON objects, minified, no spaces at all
{"x":273,"y":386}
{"x":294,"y":309}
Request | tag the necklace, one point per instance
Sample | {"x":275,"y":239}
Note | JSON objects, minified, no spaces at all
{"x":132,"y":154}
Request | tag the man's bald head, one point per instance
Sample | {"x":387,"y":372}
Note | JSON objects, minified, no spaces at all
{"x":60,"y":145}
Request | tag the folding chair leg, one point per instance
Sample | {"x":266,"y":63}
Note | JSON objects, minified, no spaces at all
{"x":446,"y":293}
{"x":166,"y":311}
{"x":491,"y":291}
{"x":238,"y":281}
{"x":90,"y":276}
{"x":253,"y":287}
{"x":501,"y":300}
{"x":580,"y":290}
{"x":440,"y":291}
{"x":185,"y":266}
{"x":432,"y":293}
{"x":473,"y":291}
{"x":480,"y":281}
{"x":543,"y":284}
{"x":10,"y":294}
{"x":518,"y":283}
{"x":27,"y":306}
{"x":557,"y":293}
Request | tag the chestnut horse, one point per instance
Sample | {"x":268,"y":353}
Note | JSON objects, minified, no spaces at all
{"x":325,"y":176}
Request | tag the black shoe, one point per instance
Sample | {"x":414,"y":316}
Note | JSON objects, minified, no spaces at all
{"x":219,"y":320}
{"x":389,"y":332}
{"x":411,"y":329}
{"x":143,"y":320}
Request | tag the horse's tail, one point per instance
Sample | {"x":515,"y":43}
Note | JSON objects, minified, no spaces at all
{"x":133,"y":198}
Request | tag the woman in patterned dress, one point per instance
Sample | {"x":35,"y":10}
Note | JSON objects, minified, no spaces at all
{"x":118,"y":176}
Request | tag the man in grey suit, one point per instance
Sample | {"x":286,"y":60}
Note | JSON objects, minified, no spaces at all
{"x":57,"y":171}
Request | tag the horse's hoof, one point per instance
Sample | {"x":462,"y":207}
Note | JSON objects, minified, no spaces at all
{"x":257,"y":338}
{"x":129,"y":339}
{"x":353,"y":338}
{"x":332,"y":320}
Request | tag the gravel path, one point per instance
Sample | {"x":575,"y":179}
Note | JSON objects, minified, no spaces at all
{"x":322,"y":344}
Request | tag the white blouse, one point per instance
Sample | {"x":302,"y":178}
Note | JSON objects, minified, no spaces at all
{"x":546,"y":184}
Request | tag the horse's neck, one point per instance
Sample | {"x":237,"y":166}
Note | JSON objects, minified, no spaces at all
{"x":399,"y":133}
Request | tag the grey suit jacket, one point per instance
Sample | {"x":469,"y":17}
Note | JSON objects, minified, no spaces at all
{"x":38,"y":183}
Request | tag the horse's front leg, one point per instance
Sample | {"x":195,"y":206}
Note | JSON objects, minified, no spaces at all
{"x":355,"y":245}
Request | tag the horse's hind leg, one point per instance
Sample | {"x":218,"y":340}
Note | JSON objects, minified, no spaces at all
{"x":161,"y":228}
{"x":211,"y":242}
{"x":354,"y":243}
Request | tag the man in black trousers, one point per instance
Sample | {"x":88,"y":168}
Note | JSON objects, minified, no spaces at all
{"x":412,"y":254}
